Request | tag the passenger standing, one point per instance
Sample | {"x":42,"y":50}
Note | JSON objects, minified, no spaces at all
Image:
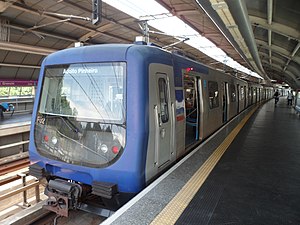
{"x":290,"y":98}
{"x":276,"y":96}
{"x":3,"y":108}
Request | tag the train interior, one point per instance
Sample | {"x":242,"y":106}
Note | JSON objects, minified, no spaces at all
{"x":192,"y":111}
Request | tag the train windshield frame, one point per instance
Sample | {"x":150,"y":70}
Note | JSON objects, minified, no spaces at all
{"x":81,"y":115}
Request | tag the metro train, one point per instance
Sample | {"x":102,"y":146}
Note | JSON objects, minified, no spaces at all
{"x":108,"y":119}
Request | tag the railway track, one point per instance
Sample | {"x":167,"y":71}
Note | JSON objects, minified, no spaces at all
{"x":13,"y":163}
{"x":76,"y":217}
{"x":21,"y":196}
{"x":35,"y":214}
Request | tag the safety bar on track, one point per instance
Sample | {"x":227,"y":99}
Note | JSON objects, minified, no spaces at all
{"x":13,"y":144}
{"x":24,"y":189}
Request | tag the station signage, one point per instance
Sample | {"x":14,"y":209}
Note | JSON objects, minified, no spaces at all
{"x":16,"y":83}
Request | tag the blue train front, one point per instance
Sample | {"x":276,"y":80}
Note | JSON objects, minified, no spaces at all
{"x":90,"y":125}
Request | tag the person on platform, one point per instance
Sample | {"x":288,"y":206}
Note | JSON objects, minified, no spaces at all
{"x":276,"y":97}
{"x":5,"y":107}
{"x":290,"y":98}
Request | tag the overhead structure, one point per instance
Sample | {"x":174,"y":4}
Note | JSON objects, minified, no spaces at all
{"x":96,"y":12}
{"x":262,"y":35}
{"x":265,"y":33}
{"x":33,"y":29}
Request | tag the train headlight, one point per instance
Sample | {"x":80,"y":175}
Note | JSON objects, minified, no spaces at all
{"x":104,"y":148}
{"x":54,"y":140}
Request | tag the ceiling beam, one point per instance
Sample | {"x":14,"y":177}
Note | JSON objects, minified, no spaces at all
{"x":279,"y":50}
{"x":280,"y":61}
{"x":292,"y":56}
{"x":188,"y":12}
{"x":20,"y":65}
{"x":270,"y":18}
{"x":36,"y":12}
{"x":291,"y":78}
{"x":16,"y":47}
{"x":277,"y":70}
{"x":282,"y":68}
{"x":278,"y":28}
{"x":101,"y":29}
{"x":5,"y":4}
{"x":41,"y":34}
{"x":274,"y":58}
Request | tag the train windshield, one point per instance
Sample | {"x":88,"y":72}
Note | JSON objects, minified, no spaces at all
{"x":81,"y":115}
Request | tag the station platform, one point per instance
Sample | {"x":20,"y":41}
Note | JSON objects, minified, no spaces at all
{"x":246,"y":173}
{"x":15,"y":120}
{"x":15,"y":124}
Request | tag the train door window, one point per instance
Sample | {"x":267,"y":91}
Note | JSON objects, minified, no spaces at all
{"x":213,"y":94}
{"x":232,"y":93}
{"x":249,"y":93}
{"x":242,"y":93}
{"x":265,"y":94}
{"x":260,"y":94}
{"x":245,"y":94}
{"x":163,"y":98}
{"x":238,"y":97}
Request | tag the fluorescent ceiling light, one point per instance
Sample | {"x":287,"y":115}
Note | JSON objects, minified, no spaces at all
{"x":161,"y":19}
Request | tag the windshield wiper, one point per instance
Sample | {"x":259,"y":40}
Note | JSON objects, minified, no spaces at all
{"x":123,"y":125}
{"x":67,"y":121}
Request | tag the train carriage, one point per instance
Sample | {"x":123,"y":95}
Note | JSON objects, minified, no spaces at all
{"x":108,"y":119}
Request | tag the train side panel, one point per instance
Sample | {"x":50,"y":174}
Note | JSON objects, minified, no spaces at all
{"x":242,"y":87}
{"x":171,"y":104}
{"x":212,"y":103}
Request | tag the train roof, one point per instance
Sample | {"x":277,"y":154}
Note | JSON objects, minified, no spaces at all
{"x":102,"y":52}
{"x":88,"y":54}
{"x":120,"y":52}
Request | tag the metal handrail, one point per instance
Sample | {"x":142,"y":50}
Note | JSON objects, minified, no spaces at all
{"x":13,"y":144}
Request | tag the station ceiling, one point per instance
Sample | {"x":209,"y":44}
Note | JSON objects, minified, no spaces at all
{"x":262,"y":35}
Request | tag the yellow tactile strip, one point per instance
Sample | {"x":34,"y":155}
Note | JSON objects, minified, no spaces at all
{"x":170,"y":214}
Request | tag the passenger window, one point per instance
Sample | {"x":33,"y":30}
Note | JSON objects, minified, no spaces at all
{"x":232,"y":93}
{"x":163,"y":99}
{"x":213,"y":94}
{"x":242,"y":93}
